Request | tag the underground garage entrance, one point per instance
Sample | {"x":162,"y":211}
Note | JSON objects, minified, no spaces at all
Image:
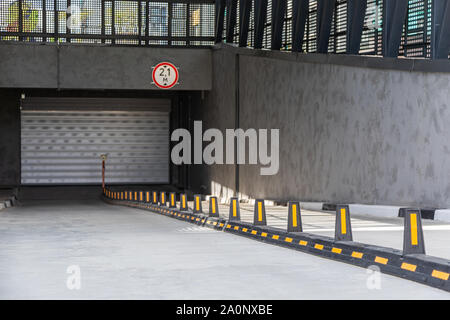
{"x":356,"y":205}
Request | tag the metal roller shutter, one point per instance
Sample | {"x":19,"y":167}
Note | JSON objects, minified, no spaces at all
{"x":62,"y":144}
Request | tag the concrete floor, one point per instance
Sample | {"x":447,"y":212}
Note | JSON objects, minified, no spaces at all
{"x":126,"y":253}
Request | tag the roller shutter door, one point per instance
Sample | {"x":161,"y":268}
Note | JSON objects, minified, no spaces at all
{"x":62,"y":141}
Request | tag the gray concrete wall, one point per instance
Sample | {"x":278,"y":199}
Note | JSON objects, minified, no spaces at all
{"x":347,"y":133}
{"x":217,"y":110}
{"x":99,"y":67}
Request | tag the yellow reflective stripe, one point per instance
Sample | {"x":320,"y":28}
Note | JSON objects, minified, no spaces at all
{"x":407,"y":266}
{"x":259,"y":211}
{"x":154,"y":197}
{"x":294,"y":215}
{"x":197,"y":203}
{"x":413,"y":219}
{"x":381,"y":260}
{"x":303,"y":243}
{"x":234,"y":208}
{"x":172,"y":199}
{"x":213,"y":204}
{"x":318,"y":246}
{"x":275,"y":236}
{"x":228,"y":226}
{"x":147,"y":196}
{"x":236,"y":228}
{"x":288,"y":239}
{"x":263,"y":234}
{"x":336,"y":250}
{"x":254,"y":232}
{"x":440,"y":275}
{"x":163,"y":200}
{"x":356,"y":254}
{"x":343,"y":221}
{"x":244,"y":229}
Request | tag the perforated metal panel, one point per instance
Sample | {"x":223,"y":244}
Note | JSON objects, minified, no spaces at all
{"x":64,"y":146}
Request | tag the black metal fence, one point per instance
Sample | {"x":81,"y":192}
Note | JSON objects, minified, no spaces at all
{"x":124,"y":22}
{"x":193,"y":23}
{"x":415,"y":42}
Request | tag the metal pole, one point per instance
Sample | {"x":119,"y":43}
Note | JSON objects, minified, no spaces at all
{"x":20,"y":16}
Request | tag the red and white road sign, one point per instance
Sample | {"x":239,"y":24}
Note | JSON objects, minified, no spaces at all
{"x":165,"y":75}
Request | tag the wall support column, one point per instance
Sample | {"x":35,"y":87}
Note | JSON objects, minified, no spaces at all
{"x":394,"y":15}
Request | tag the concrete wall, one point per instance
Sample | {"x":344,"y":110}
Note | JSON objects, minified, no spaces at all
{"x":26,"y":65}
{"x":352,"y":129}
{"x":367,"y":133}
{"x":217,"y":110}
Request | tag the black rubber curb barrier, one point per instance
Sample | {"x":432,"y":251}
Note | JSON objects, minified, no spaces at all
{"x":432,"y":271}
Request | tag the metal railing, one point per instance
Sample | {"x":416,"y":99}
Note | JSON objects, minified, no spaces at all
{"x":124,"y":22}
{"x":417,"y":29}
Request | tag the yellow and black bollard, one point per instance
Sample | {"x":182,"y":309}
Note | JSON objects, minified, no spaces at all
{"x":183,"y":202}
{"x":213,"y":207}
{"x":234,"y":209}
{"x":294,"y":217}
{"x":343,"y":230}
{"x":259,"y":215}
{"x":162,"y":198}
{"x":198,"y":203}
{"x":413,"y":242}
{"x":173,"y":200}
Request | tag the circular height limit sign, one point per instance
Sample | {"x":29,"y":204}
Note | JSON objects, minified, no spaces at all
{"x":165,"y":75}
